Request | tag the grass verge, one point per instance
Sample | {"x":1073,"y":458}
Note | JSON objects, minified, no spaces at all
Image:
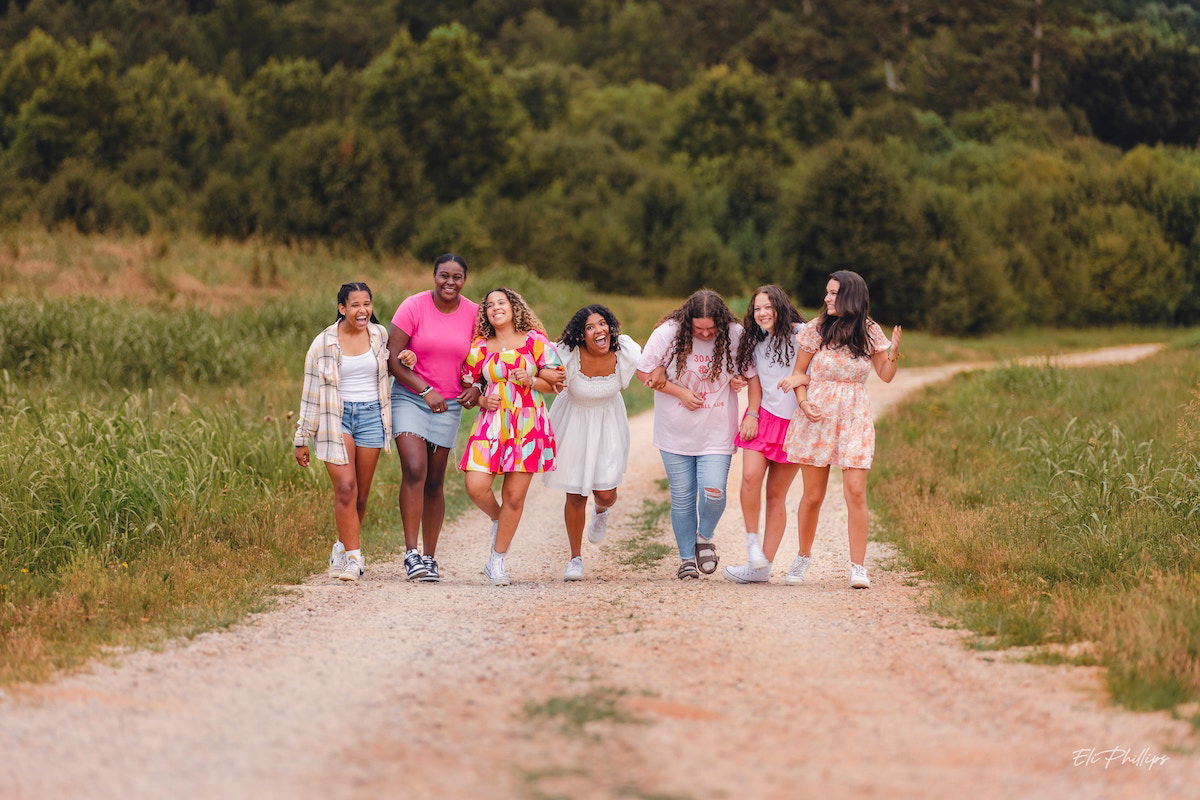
{"x":1053,"y":506}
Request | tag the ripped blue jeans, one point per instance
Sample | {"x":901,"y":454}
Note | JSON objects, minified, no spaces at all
{"x":697,"y":496}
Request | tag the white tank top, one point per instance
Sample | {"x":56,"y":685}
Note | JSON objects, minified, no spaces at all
{"x":360,"y":378}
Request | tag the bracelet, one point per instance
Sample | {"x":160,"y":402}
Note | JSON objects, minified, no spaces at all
{"x":428,"y":388}
{"x":752,"y":414}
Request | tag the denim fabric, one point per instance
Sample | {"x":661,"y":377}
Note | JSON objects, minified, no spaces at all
{"x":692,"y":509}
{"x":364,"y":423}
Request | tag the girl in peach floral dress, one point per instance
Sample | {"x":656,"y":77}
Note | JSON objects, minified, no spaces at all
{"x":833,"y":425}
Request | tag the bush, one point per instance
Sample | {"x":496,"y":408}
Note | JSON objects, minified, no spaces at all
{"x":227,"y":207}
{"x":92,"y":200}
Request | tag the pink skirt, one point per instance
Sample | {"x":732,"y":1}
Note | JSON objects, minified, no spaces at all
{"x":772,"y":430}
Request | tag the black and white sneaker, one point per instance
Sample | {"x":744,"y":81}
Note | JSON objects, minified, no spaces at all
{"x":431,"y":576}
{"x":414,"y":565}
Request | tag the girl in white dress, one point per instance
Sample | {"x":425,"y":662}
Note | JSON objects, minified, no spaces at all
{"x":590,"y":424}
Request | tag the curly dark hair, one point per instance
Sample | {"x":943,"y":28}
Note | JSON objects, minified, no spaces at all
{"x":524,"y":320}
{"x":702,"y":304}
{"x":849,"y":327}
{"x":573,"y":333}
{"x":783,"y":344}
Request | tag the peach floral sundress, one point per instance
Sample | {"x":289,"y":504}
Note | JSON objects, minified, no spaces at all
{"x":845,"y":436}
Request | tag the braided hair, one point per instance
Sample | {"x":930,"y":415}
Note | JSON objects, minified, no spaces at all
{"x":702,"y":304}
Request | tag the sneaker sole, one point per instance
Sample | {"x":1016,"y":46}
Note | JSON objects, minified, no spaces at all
{"x":499,"y":581}
{"x":352,"y":578}
{"x":792,"y":580}
{"x":860,"y":586}
{"x":427,"y":578}
{"x":572,"y":578}
{"x":729,"y":576}
{"x":416,"y":576}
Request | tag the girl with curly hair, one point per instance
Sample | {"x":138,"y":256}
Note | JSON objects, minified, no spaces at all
{"x":590,"y":424}
{"x":766,"y":355}
{"x":833,"y":423}
{"x":512,"y":434}
{"x":689,"y":362}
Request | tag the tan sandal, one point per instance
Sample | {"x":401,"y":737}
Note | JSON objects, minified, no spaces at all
{"x":706,"y":556}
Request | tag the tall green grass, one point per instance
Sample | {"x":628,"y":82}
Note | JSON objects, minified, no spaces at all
{"x":1058,"y":506}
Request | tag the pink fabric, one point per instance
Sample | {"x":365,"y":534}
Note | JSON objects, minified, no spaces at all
{"x":708,"y":430}
{"x":771,"y":432}
{"x":845,"y":436}
{"x":441,"y":341}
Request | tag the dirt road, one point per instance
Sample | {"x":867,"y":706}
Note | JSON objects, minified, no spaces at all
{"x":695,"y":690}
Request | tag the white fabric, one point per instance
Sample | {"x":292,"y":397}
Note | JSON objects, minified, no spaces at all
{"x":769,"y":373}
{"x":359,"y":382}
{"x":590,"y":426}
{"x":709,"y":429}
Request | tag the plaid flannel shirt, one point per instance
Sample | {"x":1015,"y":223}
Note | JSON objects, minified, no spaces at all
{"x":321,"y":403}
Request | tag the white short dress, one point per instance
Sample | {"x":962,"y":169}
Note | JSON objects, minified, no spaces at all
{"x":590,"y":424}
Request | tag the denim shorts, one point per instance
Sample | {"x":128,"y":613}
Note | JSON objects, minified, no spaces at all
{"x":364,"y":423}
{"x":411,"y":414}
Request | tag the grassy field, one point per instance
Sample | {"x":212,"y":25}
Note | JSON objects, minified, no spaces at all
{"x":1060,"y":509}
{"x":147,"y":394}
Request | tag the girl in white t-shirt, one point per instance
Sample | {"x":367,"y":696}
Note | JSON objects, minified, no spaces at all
{"x":689,"y":362}
{"x":766,"y":356}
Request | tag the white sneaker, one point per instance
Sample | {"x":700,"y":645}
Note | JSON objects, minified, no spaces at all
{"x":798,"y":570}
{"x":858,"y":577}
{"x":598,"y":526}
{"x":337,"y":559}
{"x":743,"y":573}
{"x":574,"y":569}
{"x":494,"y":570}
{"x":755,"y":557}
{"x":352,"y":571}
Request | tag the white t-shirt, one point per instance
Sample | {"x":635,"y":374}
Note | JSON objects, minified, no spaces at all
{"x":708,"y":430}
{"x":770,"y":372}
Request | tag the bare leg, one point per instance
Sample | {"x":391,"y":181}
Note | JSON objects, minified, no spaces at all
{"x":413,"y":469}
{"x":435,"y":498}
{"x":365,"y":461}
{"x":479,"y":489}
{"x":816,"y":479}
{"x":513,"y":491}
{"x":754,"y":467}
{"x":345,"y":497}
{"x":779,"y":480}
{"x":573,"y":513}
{"x":854,"y":488}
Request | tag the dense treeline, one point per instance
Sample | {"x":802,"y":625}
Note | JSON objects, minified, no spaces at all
{"x":984,"y":165}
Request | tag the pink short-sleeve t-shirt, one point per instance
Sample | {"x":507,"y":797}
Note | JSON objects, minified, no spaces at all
{"x":708,"y":430}
{"x":440,"y":340}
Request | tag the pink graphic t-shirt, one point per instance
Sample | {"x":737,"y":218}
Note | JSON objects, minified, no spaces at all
{"x":708,"y":430}
{"x":441,"y":341}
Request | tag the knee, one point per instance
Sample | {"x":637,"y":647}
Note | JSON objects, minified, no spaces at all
{"x":714,"y":495}
{"x":434,"y":486}
{"x":605,"y":498}
{"x":345,"y":493}
{"x":811,"y":500}
{"x":515,"y":502}
{"x":855,"y":495}
{"x":576,"y":501}
{"x":413,"y":475}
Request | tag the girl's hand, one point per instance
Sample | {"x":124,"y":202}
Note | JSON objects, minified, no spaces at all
{"x":691,"y":401}
{"x":408,"y":358}
{"x":811,"y":411}
{"x":790,"y":383}
{"x":657,"y":379}
{"x":896,"y":335}
{"x":738,"y":382}
{"x":749,"y":428}
{"x":521,"y":376}
{"x":469,"y":397}
{"x":490,"y":402}
{"x":435,"y":401}
{"x":302,"y":455}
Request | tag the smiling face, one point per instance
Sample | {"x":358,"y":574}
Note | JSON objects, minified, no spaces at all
{"x":704,"y":329}
{"x":831,"y":293}
{"x":357,"y":309}
{"x":764,"y":312}
{"x":596,"y":336}
{"x":499,"y":310}
{"x":448,"y":280}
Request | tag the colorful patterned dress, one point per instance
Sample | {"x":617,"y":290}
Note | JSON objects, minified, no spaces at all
{"x":517,"y":436}
{"x":845,"y":435}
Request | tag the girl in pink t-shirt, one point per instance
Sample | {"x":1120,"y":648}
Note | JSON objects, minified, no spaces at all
{"x":689,"y":362}
{"x":427,"y":402}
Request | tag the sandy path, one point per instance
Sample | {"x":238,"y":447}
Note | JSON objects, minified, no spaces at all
{"x":392,"y":689}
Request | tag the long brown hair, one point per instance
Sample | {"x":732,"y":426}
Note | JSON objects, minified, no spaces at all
{"x":783,"y":344}
{"x":524,"y":320}
{"x":851,"y":324}
{"x":703,"y":304}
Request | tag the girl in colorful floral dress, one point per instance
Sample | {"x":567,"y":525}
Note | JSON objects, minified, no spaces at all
{"x":833,"y":424}
{"x":512,"y":434}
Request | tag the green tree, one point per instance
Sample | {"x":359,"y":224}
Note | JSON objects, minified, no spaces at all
{"x":727,"y":111}
{"x":284,"y":95}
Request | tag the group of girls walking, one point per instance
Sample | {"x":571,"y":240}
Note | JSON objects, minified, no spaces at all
{"x":807,"y":410}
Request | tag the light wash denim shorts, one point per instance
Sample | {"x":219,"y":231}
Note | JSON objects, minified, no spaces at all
{"x":411,"y":414}
{"x":364,"y":423}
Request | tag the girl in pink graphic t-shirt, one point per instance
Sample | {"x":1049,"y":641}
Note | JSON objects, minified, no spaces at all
{"x":427,"y":401}
{"x":689,"y":361}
